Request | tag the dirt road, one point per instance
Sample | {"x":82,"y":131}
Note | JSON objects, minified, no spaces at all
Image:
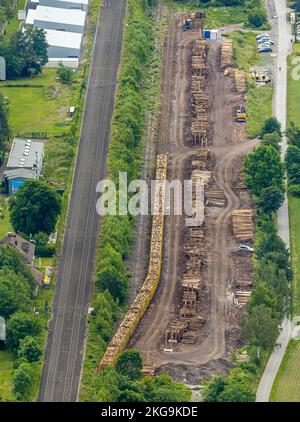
{"x":227,"y":146}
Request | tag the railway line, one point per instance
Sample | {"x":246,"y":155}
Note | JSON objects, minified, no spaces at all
{"x":67,"y":329}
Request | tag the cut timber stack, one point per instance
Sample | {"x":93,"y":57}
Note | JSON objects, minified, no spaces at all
{"x":239,"y":80}
{"x":242,"y":221}
{"x":215,"y":198}
{"x":200,"y":100}
{"x":186,"y":326}
{"x":226,"y":53}
{"x":143,"y":298}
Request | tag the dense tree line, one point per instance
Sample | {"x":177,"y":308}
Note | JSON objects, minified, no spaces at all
{"x":125,"y":382}
{"x":22,"y":326}
{"x":292,"y":159}
{"x":271,"y":294}
{"x":25,"y":52}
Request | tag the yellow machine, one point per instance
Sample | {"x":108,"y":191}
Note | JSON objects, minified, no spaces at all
{"x":241,"y":115}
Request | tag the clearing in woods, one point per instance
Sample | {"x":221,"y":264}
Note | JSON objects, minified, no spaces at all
{"x":205,"y":280}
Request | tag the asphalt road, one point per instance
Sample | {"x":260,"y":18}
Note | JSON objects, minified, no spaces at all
{"x":284,"y":48}
{"x":67,"y":330}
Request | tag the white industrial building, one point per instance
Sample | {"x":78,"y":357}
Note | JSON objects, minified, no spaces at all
{"x":69,"y":20}
{"x":66,"y":4}
{"x":63,"y":44}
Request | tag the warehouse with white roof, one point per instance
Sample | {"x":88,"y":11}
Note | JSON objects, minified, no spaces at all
{"x":69,"y":20}
{"x":63,"y":44}
{"x":66,"y":4}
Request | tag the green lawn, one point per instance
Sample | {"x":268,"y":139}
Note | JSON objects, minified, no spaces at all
{"x":259,"y":98}
{"x":286,"y":387}
{"x":293,"y":105}
{"x":294,"y":216}
{"x":6,"y":369}
{"x":5,"y":225}
{"x":38,"y":109}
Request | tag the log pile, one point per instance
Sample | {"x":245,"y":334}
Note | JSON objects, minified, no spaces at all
{"x":239,"y":80}
{"x":185,"y":327}
{"x":226,"y":53}
{"x":197,"y":134}
{"x":143,"y":298}
{"x":242,"y":222}
{"x":215,"y":198}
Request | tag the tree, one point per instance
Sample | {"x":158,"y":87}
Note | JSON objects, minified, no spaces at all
{"x":23,"y":381}
{"x":256,"y":17}
{"x":270,"y":200}
{"x":272,"y":139}
{"x":293,"y":135}
{"x":271,"y":125}
{"x":130,"y":364}
{"x":109,"y":278}
{"x":259,"y":328}
{"x":14,"y":293}
{"x":29,"y":349}
{"x":263,"y":169}
{"x":65,"y":74}
{"x":236,"y":393}
{"x":128,"y":396}
{"x":19,"y":326}
{"x":213,"y":390}
{"x":25,"y":52}
{"x":292,"y":163}
{"x":42,"y":247}
{"x":35,"y":208}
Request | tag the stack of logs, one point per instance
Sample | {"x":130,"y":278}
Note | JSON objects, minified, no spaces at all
{"x":198,"y":132}
{"x":143,"y":298}
{"x":242,"y":221}
{"x":226,"y":53}
{"x":185,"y":327}
{"x":239,"y":80}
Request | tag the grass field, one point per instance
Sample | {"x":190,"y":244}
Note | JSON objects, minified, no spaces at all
{"x":287,"y":383}
{"x":294,"y":216}
{"x":38,"y":109}
{"x":5,"y":225}
{"x":286,"y":387}
{"x":259,"y":98}
{"x":293,"y":105}
{"x":6,"y":369}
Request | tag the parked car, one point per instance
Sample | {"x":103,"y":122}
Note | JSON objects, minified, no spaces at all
{"x":261,"y":36}
{"x":246,"y":248}
{"x":266,"y":49}
{"x":265,"y":39}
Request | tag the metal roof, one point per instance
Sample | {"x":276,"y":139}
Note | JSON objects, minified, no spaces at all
{"x":58,"y":15}
{"x":74,"y":1}
{"x":24,"y":153}
{"x":63,"y":39}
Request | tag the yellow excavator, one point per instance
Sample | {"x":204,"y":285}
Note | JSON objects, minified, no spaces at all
{"x":241,"y":115}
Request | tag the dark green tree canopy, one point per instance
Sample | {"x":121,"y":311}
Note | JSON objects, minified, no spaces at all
{"x":271,"y":125}
{"x":35,"y":208}
{"x":263,"y":169}
{"x":270,"y":200}
{"x":130,"y":364}
{"x":19,"y":326}
{"x":29,"y":349}
{"x":25,"y":53}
